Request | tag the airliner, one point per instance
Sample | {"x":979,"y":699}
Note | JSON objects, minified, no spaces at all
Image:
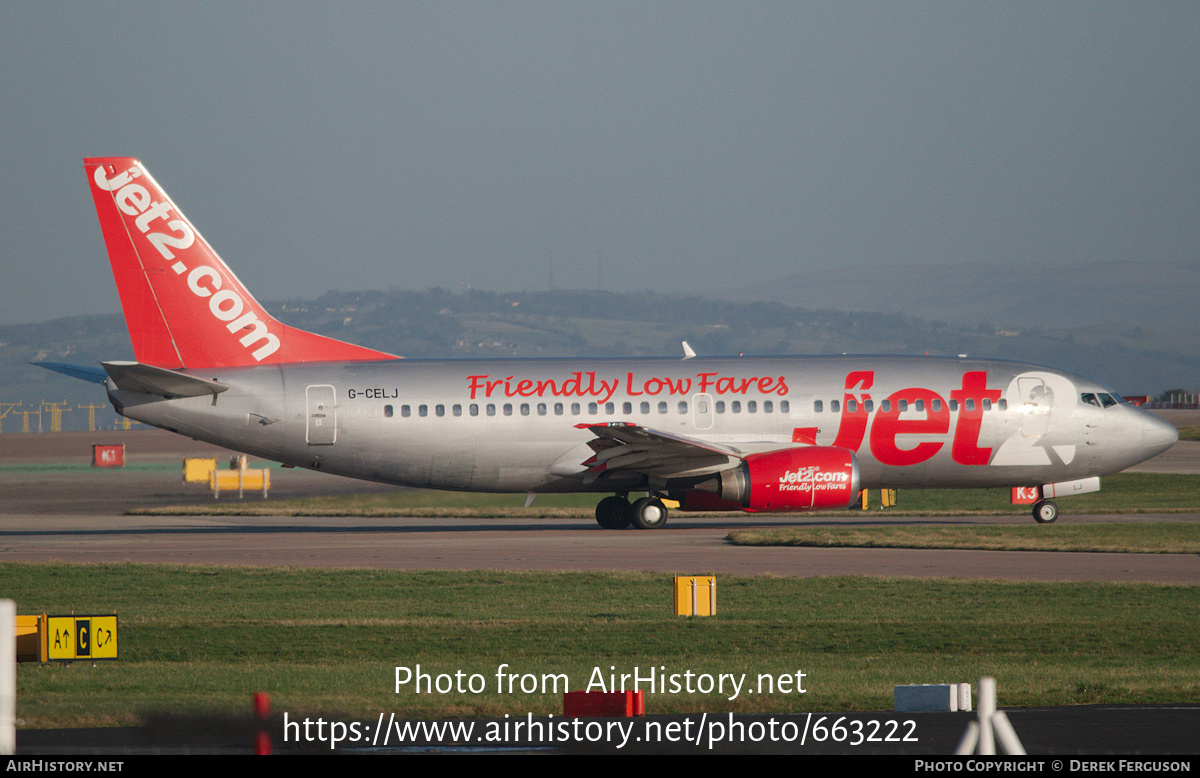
{"x":755,"y":434}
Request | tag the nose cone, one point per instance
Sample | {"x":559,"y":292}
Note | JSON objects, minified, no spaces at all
{"x":1157,"y":435}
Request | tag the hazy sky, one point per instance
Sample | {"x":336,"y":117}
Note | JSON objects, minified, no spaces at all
{"x":675,"y":146}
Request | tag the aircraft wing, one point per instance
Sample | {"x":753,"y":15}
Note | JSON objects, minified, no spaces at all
{"x":624,"y":448}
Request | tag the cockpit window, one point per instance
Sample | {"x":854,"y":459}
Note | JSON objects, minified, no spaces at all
{"x":1100,"y":399}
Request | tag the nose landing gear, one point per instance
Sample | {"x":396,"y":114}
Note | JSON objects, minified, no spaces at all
{"x":1045,"y":512}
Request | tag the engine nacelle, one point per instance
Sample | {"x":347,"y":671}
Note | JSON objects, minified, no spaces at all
{"x":788,"y":481}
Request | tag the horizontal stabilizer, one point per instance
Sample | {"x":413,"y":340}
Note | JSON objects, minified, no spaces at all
{"x":84,"y":372}
{"x":136,"y":377}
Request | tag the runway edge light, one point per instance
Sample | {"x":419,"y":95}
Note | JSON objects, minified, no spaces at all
{"x":262,"y":712}
{"x":624,"y":704}
{"x":992,"y":724}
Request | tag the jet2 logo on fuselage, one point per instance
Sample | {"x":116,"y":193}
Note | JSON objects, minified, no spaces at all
{"x":886,"y":425}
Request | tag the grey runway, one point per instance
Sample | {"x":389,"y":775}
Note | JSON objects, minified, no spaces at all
{"x":533,"y":544}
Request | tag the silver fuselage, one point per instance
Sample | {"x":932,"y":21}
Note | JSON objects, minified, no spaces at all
{"x":511,"y":425}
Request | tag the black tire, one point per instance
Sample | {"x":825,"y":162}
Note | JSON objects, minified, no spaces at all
{"x":614,"y":513}
{"x":1045,"y":512}
{"x":649,"y":513}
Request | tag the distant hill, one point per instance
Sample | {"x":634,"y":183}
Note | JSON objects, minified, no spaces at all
{"x":1133,"y":294}
{"x":1133,"y":356}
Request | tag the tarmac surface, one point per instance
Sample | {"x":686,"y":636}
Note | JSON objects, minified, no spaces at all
{"x":76,"y":514}
{"x":55,"y":507}
{"x":1047,"y":732}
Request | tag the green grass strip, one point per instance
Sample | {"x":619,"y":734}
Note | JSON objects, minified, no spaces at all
{"x":1137,"y":538}
{"x":87,"y":467}
{"x":203,"y":639}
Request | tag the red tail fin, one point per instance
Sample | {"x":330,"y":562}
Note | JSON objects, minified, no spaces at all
{"x":183,"y":306}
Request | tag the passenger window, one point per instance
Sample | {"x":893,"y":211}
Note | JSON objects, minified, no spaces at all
{"x":558,"y":409}
{"x":752,"y":407}
{"x":736,"y":406}
{"x":422,"y":410}
{"x":768,"y":407}
{"x":387,"y":411}
{"x":610,"y":408}
{"x":953,"y":405}
{"x":886,"y":406}
{"x":987,"y":404}
{"x":970,"y":403}
{"x":457,"y":410}
{"x":440,"y":410}
{"x":541,"y":409}
{"x":784,"y":407}
{"x":720,"y":406}
{"x":662,"y":407}
{"x":937,"y":406}
{"x":852,"y":406}
{"x":645,"y":407}
{"x":491,"y":409}
{"x":474,"y":409}
{"x":405,"y":411}
{"x":682,"y":407}
{"x":834,"y":406}
{"x":508,"y":409}
{"x":869,"y":405}
{"x":626,"y":408}
{"x":817,"y":406}
{"x":1003,"y":404}
{"x":593,"y":409}
{"x":902,"y":405}
{"x":574,"y":409}
{"x":524,"y":409}
{"x":920,"y":406}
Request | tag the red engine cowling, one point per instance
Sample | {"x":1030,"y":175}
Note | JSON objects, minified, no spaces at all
{"x":789,"y":480}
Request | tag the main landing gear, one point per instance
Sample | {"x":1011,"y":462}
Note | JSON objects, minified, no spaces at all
{"x":614,"y":513}
{"x":1044,"y":512}
{"x":617,"y":513}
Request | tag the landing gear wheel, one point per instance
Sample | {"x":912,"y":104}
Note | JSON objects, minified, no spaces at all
{"x":1045,"y":512}
{"x":614,"y":513}
{"x":649,"y":513}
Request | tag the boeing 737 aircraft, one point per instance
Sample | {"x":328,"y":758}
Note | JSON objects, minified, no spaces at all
{"x":754,"y":434}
